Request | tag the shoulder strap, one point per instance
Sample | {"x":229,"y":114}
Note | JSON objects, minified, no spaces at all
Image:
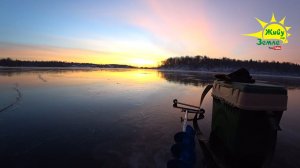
{"x":204,"y":93}
{"x":195,"y":121}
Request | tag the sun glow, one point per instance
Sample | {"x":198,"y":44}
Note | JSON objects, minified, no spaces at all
{"x":140,"y":62}
{"x":138,"y":58}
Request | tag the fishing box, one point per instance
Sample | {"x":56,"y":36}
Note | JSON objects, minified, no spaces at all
{"x":245,"y":121}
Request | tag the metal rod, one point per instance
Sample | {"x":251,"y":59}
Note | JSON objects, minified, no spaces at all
{"x":188,"y":109}
{"x":175,"y":102}
{"x":188,"y":105}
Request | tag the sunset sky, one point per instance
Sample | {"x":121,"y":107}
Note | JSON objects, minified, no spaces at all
{"x":142,"y":32}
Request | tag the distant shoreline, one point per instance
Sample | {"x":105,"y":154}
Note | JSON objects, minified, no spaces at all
{"x":199,"y":64}
{"x":4,"y":68}
{"x":225,"y":72}
{"x":59,"y":68}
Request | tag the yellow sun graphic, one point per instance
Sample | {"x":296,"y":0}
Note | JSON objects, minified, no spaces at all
{"x":273,"y":30}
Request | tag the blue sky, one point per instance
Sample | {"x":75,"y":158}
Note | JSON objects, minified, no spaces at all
{"x":142,"y":32}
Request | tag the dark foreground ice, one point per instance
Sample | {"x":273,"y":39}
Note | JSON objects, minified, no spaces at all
{"x":111,"y":118}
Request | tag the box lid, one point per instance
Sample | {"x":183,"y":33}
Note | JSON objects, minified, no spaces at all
{"x":251,"y":96}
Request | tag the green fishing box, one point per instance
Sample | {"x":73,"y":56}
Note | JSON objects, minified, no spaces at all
{"x":245,"y":121}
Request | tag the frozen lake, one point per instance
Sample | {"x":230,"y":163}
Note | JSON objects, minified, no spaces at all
{"x":111,"y":118}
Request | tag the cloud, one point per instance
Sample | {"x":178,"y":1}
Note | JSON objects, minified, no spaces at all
{"x":179,"y":26}
{"x":49,"y":53}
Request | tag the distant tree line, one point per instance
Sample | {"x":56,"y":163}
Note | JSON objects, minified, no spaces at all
{"x":7,"y":62}
{"x":204,"y":63}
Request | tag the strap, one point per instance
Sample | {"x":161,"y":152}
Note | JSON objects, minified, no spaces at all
{"x":204,"y":93}
{"x":195,"y":122}
{"x":202,"y":141}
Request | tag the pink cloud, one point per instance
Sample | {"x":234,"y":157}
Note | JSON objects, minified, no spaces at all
{"x":47,"y":53}
{"x":188,"y":28}
{"x":179,"y":25}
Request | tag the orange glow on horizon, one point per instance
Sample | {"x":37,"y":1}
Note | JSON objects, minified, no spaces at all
{"x":38,"y":53}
